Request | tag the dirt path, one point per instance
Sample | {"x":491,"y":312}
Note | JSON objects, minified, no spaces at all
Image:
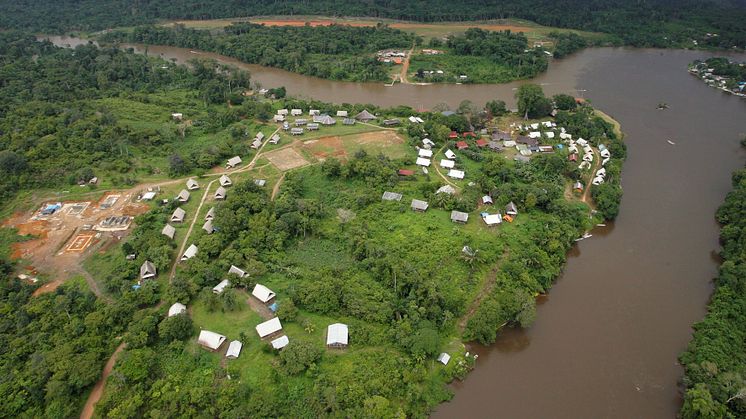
{"x":586,"y":194}
{"x":260,"y":308}
{"x":276,"y":189}
{"x":98,"y":389}
{"x":437,"y":170}
{"x":405,"y":67}
{"x":93,"y":285}
{"x":487,"y":287}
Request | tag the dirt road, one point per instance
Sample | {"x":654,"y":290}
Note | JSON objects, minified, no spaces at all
{"x":98,"y":389}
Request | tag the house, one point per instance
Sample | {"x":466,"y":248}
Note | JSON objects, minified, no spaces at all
{"x":300,"y":122}
{"x":509,"y":143}
{"x":337,"y":335}
{"x":459,"y":217}
{"x":283,"y":112}
{"x":275,"y":139}
{"x":189,"y":253}
{"x":448,"y":189}
{"x":296,"y":112}
{"x":535,"y":125}
{"x":256,"y":143}
{"x":495,"y":146}
{"x":421,"y":161}
{"x":412,"y":119}
{"x":269,"y":327}
{"x":313,"y":126}
{"x":222,"y":285}
{"x":601,"y":172}
{"x":453,"y":135}
{"x":572,"y":157}
{"x":391,"y":196}
{"x":183,"y":196}
{"x":391,"y":122}
{"x":262,"y":293}
{"x":178,"y":216}
{"x":147,"y":270}
{"x":177,"y":116}
{"x":220,"y":193}
{"x":169,"y":231}
{"x":260,"y":136}
{"x":233,"y":162}
{"x":427,"y":142}
{"x":481,"y":143}
{"x":313,"y":112}
{"x":487,"y":200}
{"x":470,"y":134}
{"x":597,"y":180}
{"x":549,"y":134}
{"x":461,"y":145}
{"x":545,"y":149}
{"x":296,"y":131}
{"x":234,"y":349}
{"x":526,"y":140}
{"x":192,"y":184}
{"x":534,"y":135}
{"x":225,"y":181}
{"x":210,"y":214}
{"x":235,"y":270}
{"x":148,"y":196}
{"x":501,"y":136}
{"x":210,"y":340}
{"x":425,"y":153}
{"x":447,"y":164}
{"x":348,"y":121}
{"x":492,"y":219}
{"x":450,"y":154}
{"x":342,"y":114}
{"x":443,"y":358}
{"x":605,"y":153}
{"x":279,"y":118}
{"x":260,"y":182}
{"x":326,"y":120}
{"x":280,"y":342}
{"x":511,"y":209}
{"x":365,"y":116}
{"x":208,"y":227}
{"x":577,"y":187}
{"x":405,"y":172}
{"x":176,"y":309}
{"x":456,"y":174}
{"x":419,"y":205}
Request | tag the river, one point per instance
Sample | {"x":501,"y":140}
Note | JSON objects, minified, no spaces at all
{"x":606,"y":339}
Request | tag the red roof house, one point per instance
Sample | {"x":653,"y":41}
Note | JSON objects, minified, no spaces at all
{"x":468,"y":134}
{"x":462,"y":145}
{"x":453,"y":134}
{"x":481,"y":142}
{"x":573,"y":157}
{"x":405,"y":172}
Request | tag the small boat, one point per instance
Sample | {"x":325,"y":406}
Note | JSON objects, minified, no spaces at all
{"x":670,"y":142}
{"x":587,"y":235}
{"x":193,"y":52}
{"x":600,"y":225}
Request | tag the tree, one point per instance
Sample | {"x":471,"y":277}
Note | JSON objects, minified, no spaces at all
{"x":496,"y":108}
{"x":177,"y":327}
{"x":531,"y":101}
{"x":12,"y":163}
{"x":299,"y":355}
{"x":564,"y":102}
{"x":287,"y":312}
{"x":699,"y":404}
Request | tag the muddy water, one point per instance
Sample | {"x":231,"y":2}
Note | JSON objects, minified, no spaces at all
{"x":607,"y":336}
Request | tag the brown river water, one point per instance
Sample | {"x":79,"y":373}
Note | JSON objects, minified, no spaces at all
{"x":607,"y":336}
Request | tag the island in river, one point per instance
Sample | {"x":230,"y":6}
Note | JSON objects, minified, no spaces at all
{"x":359,"y":243}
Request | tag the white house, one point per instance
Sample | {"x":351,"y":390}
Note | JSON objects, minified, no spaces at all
{"x":168,"y":231}
{"x":178,"y":216}
{"x":210,"y":214}
{"x":210,"y":340}
{"x":605,"y":153}
{"x":235,"y":270}
{"x":233,"y":162}
{"x":209,"y":229}
{"x":176,"y":309}
{"x":535,"y":125}
{"x":597,"y":180}
{"x":183,"y":196}
{"x":427,"y":141}
{"x":220,"y":193}
{"x":337,"y":335}
{"x":283,"y":112}
{"x":279,"y":118}
{"x":296,"y":112}
{"x":218,"y":289}
{"x":225,"y":181}
{"x":269,"y":327}
{"x":190,"y":252}
{"x":534,"y":134}
{"x":342,"y":114}
{"x":549,"y":134}
{"x":280,"y":342}
{"x":423,"y":162}
{"x":177,"y":116}
{"x":234,"y":350}
{"x":147,"y":270}
{"x":425,"y":153}
{"x":314,"y":112}
{"x":443,"y":358}
{"x":450,"y":154}
{"x":446,"y":164}
{"x":601,"y":172}
{"x":262,"y":293}
{"x":192,"y":184}
{"x":487,"y":200}
{"x":492,"y":219}
{"x":148,"y":196}
{"x":456,"y":174}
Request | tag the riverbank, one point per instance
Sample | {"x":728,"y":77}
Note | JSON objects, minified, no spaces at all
{"x":722,"y":74}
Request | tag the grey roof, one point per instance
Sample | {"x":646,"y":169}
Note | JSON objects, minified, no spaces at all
{"x":365,"y":116}
{"x":190,"y":252}
{"x":192,"y":184}
{"x":208,"y":227}
{"x":348,"y":121}
{"x":393,"y":121}
{"x":326,"y":120}
{"x":168,"y":231}
{"x":225,"y":181}
{"x":511,"y":208}
{"x":448,"y":113}
{"x":450,"y":190}
{"x":260,"y":182}
{"x":237,"y":271}
{"x":522,"y":139}
{"x":260,"y":135}
{"x":459,"y":216}
{"x":220,"y":193}
{"x":419,"y":205}
{"x":183,"y":195}
{"x":234,"y":161}
{"x":178,"y":215}
{"x":275,"y":139}
{"x":147,"y":270}
{"x":391,"y":196}
{"x":210,"y":214}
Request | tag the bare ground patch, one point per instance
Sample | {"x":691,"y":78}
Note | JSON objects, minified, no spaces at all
{"x":286,"y":158}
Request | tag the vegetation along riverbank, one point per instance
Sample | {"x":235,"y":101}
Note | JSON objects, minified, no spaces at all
{"x":715,"y":361}
{"x":270,"y":257}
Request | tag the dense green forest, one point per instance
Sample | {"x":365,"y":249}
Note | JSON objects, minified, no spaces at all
{"x":334,"y":52}
{"x":658,"y":23}
{"x":715,"y":361}
{"x":67,"y":115}
{"x":482,"y":57}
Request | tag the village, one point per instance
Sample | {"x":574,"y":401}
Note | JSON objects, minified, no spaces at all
{"x":713,"y":77}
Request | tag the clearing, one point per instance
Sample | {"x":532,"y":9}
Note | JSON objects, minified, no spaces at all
{"x":286,"y":158}
{"x":387,"y":142}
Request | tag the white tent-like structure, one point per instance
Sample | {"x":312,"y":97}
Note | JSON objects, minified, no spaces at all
{"x":280,"y":342}
{"x":190,"y":252}
{"x":443,"y":358}
{"x":447,"y":164}
{"x":269,"y":327}
{"x":210,"y":340}
{"x":176,"y":309}
{"x":218,"y":289}
{"x":234,"y":349}
{"x":337,"y":335}
{"x":262,"y":293}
